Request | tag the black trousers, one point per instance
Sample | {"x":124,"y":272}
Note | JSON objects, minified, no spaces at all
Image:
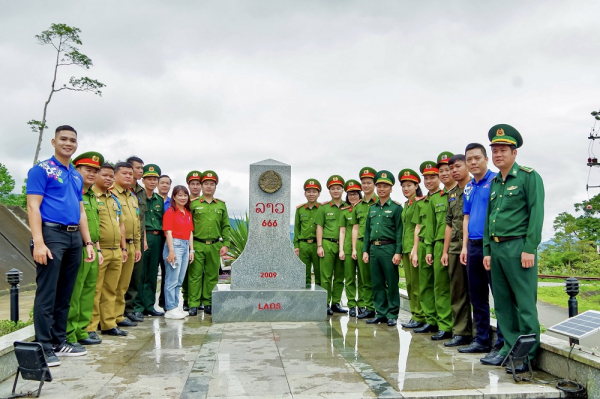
{"x":479,"y":280}
{"x":161,"y":297}
{"x":55,"y":282}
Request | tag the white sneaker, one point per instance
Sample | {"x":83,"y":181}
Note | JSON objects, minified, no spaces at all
{"x":181,"y":312}
{"x":173,"y":314}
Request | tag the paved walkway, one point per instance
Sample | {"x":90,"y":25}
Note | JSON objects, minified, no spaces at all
{"x":338,"y":358}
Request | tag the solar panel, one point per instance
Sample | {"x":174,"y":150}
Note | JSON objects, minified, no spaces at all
{"x":579,"y":326}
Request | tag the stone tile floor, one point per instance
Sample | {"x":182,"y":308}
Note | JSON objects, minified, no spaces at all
{"x":337,"y":358}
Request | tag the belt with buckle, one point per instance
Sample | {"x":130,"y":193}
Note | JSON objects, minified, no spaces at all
{"x":382,"y":242}
{"x":309,"y":240}
{"x":207,"y":242}
{"x":332,"y":240}
{"x":154,"y":232}
{"x":507,"y":238}
{"x":478,"y":241}
{"x":129,"y":240}
{"x":112,"y":248}
{"x":74,"y":227}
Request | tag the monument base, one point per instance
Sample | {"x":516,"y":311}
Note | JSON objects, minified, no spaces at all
{"x":306,"y":304}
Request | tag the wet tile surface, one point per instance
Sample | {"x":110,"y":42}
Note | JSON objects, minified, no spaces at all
{"x":337,"y":358}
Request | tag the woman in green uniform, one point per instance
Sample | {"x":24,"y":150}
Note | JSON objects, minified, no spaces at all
{"x":353,"y":196}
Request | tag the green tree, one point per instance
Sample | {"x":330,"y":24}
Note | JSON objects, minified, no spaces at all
{"x":63,"y":38}
{"x":7,"y":183}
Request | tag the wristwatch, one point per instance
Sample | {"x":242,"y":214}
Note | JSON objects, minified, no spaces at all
{"x":89,"y":243}
{"x":124,"y":249}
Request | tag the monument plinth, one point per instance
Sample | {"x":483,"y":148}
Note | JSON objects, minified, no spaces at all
{"x":268,"y":279}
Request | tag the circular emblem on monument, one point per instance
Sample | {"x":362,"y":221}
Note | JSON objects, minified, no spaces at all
{"x":269,"y":181}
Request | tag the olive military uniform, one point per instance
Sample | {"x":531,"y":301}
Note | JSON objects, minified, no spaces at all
{"x":382,"y":240}
{"x":131,"y":219}
{"x":515,"y":216}
{"x":193,"y":175}
{"x":109,"y":272}
{"x":359,"y":217}
{"x":305,"y":237}
{"x":353,"y":282}
{"x":332,"y":268}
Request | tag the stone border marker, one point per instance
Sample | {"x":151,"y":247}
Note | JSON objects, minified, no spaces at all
{"x":268,"y":279}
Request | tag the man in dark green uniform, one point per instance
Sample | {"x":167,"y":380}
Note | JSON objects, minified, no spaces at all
{"x":411,"y":224}
{"x":328,"y":236}
{"x":359,"y":220}
{"x":193,"y":181}
{"x":136,"y":275}
{"x":305,"y":230}
{"x":144,"y":301}
{"x":212,"y":234}
{"x":353,"y":283}
{"x":453,"y":243}
{"x":82,"y":299}
{"x":512,"y":233}
{"x":383,"y":248}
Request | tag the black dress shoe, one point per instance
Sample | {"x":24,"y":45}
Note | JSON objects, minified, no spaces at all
{"x":520,"y":369}
{"x":127,"y":323}
{"x":136,"y":317}
{"x":194,"y":311}
{"x":458,"y":340}
{"x":361,"y":311}
{"x":185,"y":306}
{"x":391,"y":322}
{"x":337,"y":308}
{"x":208,"y":309}
{"x":201,"y":307}
{"x":329,"y":311}
{"x":89,"y":341}
{"x":94,"y":335}
{"x":492,"y":353}
{"x":377,"y":320}
{"x":475,"y":347}
{"x":352,"y":312}
{"x":153,"y":312}
{"x":115,"y":332}
{"x":367,"y":314}
{"x":413,"y":324}
{"x":440,"y":335}
{"x":495,"y":360}
{"x":426,"y":328}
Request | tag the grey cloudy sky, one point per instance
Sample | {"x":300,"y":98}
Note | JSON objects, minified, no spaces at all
{"x":326,"y":86}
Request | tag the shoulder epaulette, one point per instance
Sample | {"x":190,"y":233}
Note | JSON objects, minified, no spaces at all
{"x":396,"y":202}
{"x":300,"y":206}
{"x":371,"y":203}
{"x":345,"y":207}
{"x":420,"y":198}
{"x":219,"y":199}
{"x":325,"y":203}
{"x":526,"y":169}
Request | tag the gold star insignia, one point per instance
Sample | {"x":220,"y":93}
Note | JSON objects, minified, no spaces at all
{"x":95,"y":158}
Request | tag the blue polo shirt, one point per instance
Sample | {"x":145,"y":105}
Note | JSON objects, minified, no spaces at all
{"x":62,"y":189}
{"x":476,"y":198}
{"x":167,"y":203}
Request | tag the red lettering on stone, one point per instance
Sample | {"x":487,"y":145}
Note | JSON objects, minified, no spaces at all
{"x":270,"y":306}
{"x":260,"y":208}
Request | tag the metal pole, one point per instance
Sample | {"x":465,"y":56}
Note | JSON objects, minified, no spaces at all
{"x":14,"y":303}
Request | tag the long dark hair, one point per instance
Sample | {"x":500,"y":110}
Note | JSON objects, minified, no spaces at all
{"x":176,"y":191}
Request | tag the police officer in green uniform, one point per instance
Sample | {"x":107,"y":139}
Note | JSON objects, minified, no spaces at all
{"x":328,"y":236}
{"x":305,"y":230}
{"x":359,"y":220}
{"x":193,"y":181}
{"x":144,"y":301}
{"x":82,"y":299}
{"x":512,"y":234}
{"x":383,"y":248}
{"x":453,"y":242}
{"x":437,"y":206}
{"x":410,"y":180}
{"x":353,"y":283}
{"x":212,"y":233}
{"x":136,"y":275}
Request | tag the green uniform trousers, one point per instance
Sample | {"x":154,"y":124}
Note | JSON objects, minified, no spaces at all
{"x":81,"y":306}
{"x":425,"y":280}
{"x":411,"y":274}
{"x":459,"y":297}
{"x":352,"y":282}
{"x":332,"y":272}
{"x":105,"y":296}
{"x":515,"y":294}
{"x":441,"y":289}
{"x":203,"y":273}
{"x":365,"y":290}
{"x":308,"y":256}
{"x":123,"y":284}
{"x":146,"y":295}
{"x":384,"y":277}
{"x":135,"y":283}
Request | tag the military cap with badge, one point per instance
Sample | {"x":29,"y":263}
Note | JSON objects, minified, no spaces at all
{"x":193,"y":175}
{"x":408,"y":174}
{"x":335,"y":179}
{"x":367,"y":172}
{"x":385,"y":176}
{"x":151,"y":170}
{"x":504,"y":134}
{"x":312,"y":183}
{"x":352,"y":185}
{"x":209,"y":175}
{"x":91,"y":158}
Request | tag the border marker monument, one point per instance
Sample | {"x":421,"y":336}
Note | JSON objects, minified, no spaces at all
{"x":268,"y":279}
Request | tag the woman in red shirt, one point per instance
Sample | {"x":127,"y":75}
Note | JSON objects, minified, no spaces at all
{"x":179,"y":248}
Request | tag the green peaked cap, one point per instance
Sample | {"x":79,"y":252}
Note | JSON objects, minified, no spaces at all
{"x":335,"y":179}
{"x":409,"y":175}
{"x":151,"y":170}
{"x":443,"y":158}
{"x":352,"y":185}
{"x":505,"y":134}
{"x":429,"y":168}
{"x":385,"y":176}
{"x":367,"y":171}
{"x":90,"y":158}
{"x":209,"y":175}
{"x":193,"y":175}
{"x":312,"y":183}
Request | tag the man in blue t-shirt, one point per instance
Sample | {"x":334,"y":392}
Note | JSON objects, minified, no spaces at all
{"x":58,"y":224}
{"x":476,"y":198}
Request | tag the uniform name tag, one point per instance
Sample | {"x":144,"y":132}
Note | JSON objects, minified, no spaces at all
{"x":101,"y":203}
{"x":388,"y":211}
{"x":86,"y":202}
{"x":512,"y":188}
{"x":451,"y":199}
